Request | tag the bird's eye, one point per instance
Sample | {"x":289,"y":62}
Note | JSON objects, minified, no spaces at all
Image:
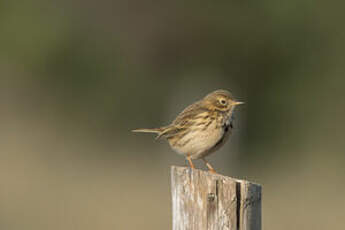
{"x":222,"y":101}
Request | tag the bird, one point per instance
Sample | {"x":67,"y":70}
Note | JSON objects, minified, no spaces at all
{"x":201,"y":128}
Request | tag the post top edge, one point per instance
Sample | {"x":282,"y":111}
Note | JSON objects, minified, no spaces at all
{"x":219,"y":176}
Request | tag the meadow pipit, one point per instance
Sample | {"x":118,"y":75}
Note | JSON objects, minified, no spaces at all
{"x":201,"y":128}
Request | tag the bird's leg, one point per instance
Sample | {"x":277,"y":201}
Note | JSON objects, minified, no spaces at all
{"x":190,"y":162}
{"x":210,"y":168}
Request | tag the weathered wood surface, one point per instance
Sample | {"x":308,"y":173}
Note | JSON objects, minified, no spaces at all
{"x":202,"y":200}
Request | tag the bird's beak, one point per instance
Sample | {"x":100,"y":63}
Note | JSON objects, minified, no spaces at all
{"x":238,"y":103}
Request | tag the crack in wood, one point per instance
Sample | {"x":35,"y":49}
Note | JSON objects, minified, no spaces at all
{"x":238,"y":205}
{"x":206,"y":201}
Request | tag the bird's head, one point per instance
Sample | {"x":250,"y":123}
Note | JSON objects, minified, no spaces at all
{"x":220,"y":100}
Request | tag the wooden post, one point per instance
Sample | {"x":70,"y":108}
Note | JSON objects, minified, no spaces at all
{"x":207,"y":201}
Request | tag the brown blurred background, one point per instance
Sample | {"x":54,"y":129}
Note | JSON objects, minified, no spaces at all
{"x":77,"y":76}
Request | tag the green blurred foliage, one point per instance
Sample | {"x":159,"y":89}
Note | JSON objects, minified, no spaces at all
{"x":77,"y":76}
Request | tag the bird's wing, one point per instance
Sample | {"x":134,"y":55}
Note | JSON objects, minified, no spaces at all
{"x":190,"y":116}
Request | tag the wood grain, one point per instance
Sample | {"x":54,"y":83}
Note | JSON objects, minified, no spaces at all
{"x":203,"y":200}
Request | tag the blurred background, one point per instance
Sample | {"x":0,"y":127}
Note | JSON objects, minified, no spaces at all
{"x":77,"y":76}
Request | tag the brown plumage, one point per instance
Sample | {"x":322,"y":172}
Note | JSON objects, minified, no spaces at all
{"x":201,"y":128}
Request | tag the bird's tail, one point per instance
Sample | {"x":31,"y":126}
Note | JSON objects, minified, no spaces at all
{"x":159,"y":131}
{"x":156,"y":130}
